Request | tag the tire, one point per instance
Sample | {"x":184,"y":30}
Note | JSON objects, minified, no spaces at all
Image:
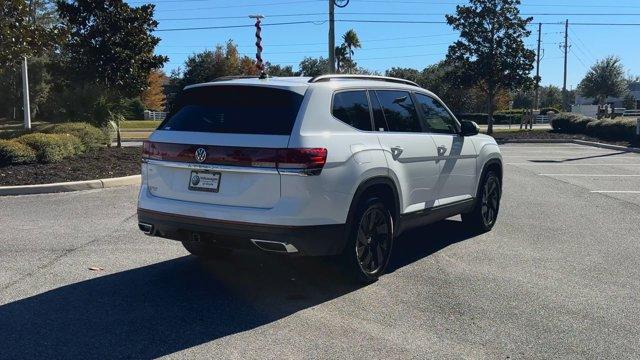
{"x":205,"y":251}
{"x":485,"y":211}
{"x":370,"y":241}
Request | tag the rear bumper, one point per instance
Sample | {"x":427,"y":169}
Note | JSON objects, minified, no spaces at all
{"x":313,"y":240}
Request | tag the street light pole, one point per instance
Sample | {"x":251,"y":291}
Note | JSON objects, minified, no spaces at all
{"x":25,"y":95}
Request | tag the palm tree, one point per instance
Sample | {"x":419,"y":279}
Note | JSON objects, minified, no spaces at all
{"x":351,"y":41}
{"x":341,"y":56}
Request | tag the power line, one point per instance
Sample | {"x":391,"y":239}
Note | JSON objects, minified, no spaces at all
{"x":243,"y":26}
{"x":384,"y":14}
{"x":223,"y":6}
{"x":320,"y":22}
{"x":577,"y":57}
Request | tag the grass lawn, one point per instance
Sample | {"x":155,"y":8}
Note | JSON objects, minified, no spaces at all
{"x":139,"y":124}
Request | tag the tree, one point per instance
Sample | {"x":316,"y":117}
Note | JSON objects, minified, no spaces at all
{"x":410,"y":74}
{"x":351,"y":41}
{"x":550,"y":96}
{"x":629,"y":102}
{"x":20,"y":34}
{"x":110,"y":48}
{"x":153,"y":97}
{"x":314,"y":66}
{"x":605,"y":78}
{"x":491,"y":50}
{"x":278,"y":70}
{"x":340,"y":55}
{"x":110,"y":44}
{"x":222,"y":61}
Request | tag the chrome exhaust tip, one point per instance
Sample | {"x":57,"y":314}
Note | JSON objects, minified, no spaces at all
{"x":274,"y":246}
{"x":146,"y":228}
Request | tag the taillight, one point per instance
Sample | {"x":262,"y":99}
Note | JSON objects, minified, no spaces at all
{"x":303,"y":161}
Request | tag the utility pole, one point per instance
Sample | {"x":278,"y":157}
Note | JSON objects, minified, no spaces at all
{"x":565,"y":95}
{"x":536,"y":102}
{"x":332,"y":38}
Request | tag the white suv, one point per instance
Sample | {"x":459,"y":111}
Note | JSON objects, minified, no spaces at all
{"x":333,"y":165}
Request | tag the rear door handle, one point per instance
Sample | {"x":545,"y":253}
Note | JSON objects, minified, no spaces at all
{"x":396,"y":151}
{"x":442,"y":150}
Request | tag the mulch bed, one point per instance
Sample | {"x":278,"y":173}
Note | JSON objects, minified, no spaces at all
{"x":97,"y":164}
{"x":550,"y":134}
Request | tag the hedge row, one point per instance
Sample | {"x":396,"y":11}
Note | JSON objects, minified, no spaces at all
{"x":13,"y":152}
{"x":608,"y":129}
{"x":53,"y":144}
{"x":90,"y":136}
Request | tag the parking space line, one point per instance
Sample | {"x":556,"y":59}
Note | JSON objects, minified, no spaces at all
{"x":594,"y":175}
{"x":615,"y":191}
{"x":572,"y":164}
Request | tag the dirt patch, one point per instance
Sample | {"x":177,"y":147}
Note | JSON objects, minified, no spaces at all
{"x":550,"y":134}
{"x":97,"y":164}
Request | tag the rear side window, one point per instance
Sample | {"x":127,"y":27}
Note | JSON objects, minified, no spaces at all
{"x":352,"y":107}
{"x":399,"y":111}
{"x":235,"y":109}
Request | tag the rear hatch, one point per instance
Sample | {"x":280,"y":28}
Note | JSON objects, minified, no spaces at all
{"x":221,"y":145}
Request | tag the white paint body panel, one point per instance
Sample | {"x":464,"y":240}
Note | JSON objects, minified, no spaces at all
{"x":423,"y":177}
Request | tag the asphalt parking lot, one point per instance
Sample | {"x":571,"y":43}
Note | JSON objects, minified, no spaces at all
{"x":558,"y":277}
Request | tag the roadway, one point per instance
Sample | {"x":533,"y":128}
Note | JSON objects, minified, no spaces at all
{"x":558,"y":277}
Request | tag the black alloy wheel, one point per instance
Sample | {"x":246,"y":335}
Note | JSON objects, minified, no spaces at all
{"x":369,"y":247}
{"x":490,"y":201}
{"x":484,"y":214}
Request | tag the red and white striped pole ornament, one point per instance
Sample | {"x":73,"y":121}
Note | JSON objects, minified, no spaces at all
{"x":259,"y":62}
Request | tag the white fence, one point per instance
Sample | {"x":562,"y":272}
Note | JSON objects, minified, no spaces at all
{"x":586,"y":110}
{"x":154,"y":115}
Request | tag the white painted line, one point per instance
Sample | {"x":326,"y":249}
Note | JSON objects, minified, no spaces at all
{"x":593,"y":175}
{"x":563,"y":164}
{"x":615,"y":192}
{"x":572,"y":156}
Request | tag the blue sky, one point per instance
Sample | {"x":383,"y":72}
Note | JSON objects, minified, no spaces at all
{"x":387,"y":45}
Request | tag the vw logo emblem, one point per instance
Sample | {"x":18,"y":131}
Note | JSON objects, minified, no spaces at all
{"x":195,"y":180}
{"x":201,"y":155}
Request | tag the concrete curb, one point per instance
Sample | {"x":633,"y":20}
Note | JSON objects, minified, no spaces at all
{"x":535,"y":141}
{"x":570,"y":141}
{"x":69,"y":186}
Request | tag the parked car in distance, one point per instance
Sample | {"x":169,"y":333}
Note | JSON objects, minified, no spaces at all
{"x":332,"y":165}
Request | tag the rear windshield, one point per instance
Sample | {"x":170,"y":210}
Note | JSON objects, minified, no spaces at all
{"x":235,"y":109}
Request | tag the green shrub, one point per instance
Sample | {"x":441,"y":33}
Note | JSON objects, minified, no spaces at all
{"x":90,"y":136}
{"x":510,"y":112}
{"x":612,"y":129}
{"x":608,"y":129}
{"x":13,"y":152}
{"x":52,"y":147}
{"x":571,"y":123}
{"x":545,"y":111}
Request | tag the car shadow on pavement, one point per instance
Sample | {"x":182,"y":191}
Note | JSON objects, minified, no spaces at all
{"x":173,"y":305}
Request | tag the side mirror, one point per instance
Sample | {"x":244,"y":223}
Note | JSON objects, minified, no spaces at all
{"x":469,"y":128}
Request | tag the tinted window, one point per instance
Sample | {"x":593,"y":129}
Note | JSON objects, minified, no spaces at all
{"x":352,"y":107}
{"x":399,"y":111}
{"x":378,"y":113}
{"x":436,"y":118}
{"x":235,"y":109}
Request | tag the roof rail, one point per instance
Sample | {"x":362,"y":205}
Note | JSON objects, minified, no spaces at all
{"x":362,"y":77}
{"x":236,"y":77}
